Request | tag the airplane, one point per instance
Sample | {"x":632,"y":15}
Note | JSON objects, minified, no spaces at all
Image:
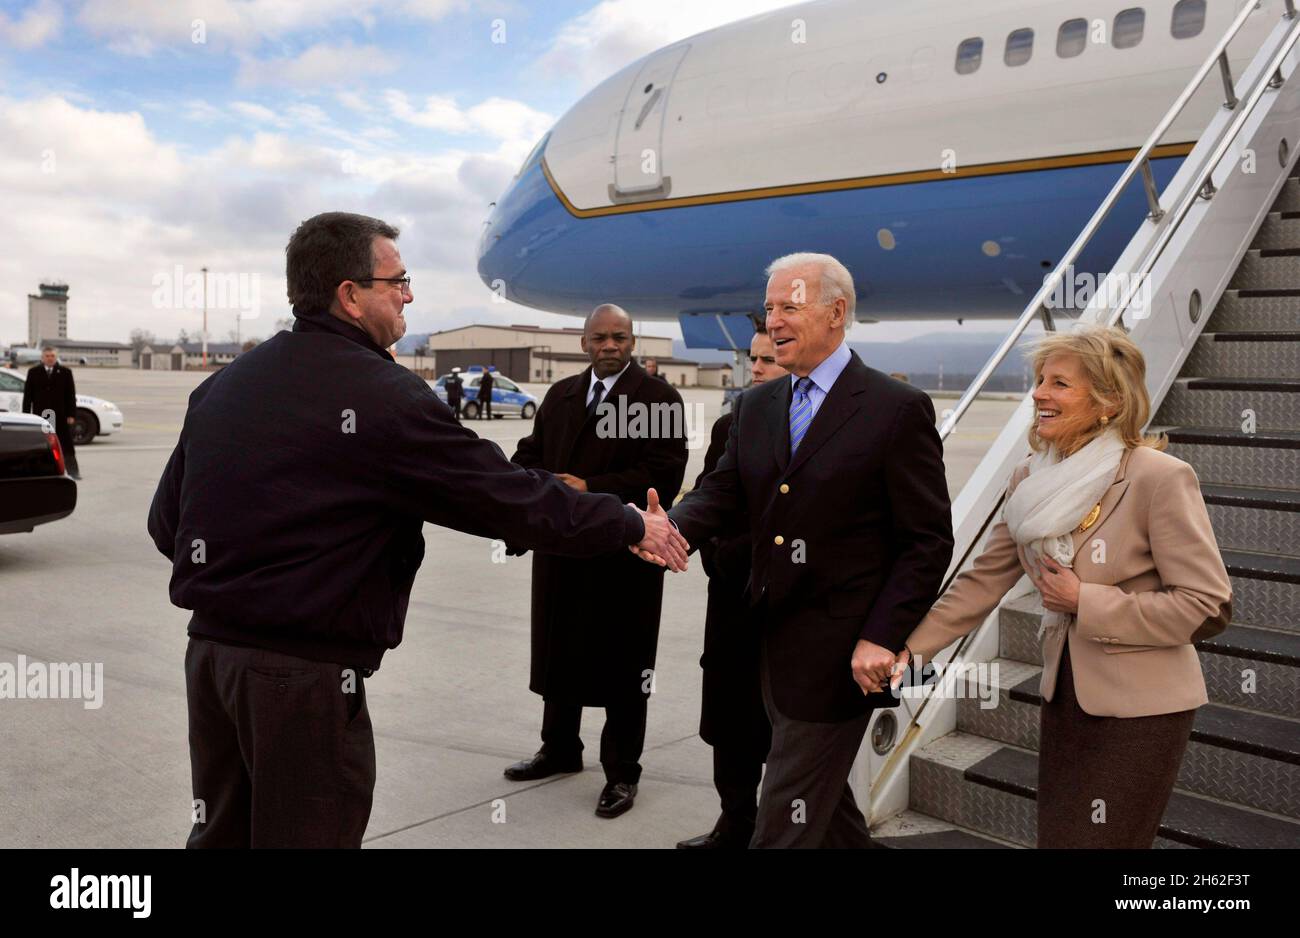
{"x":947,"y":152}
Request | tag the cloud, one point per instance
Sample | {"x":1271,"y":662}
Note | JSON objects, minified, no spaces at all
{"x":514,"y":125}
{"x":615,"y":33}
{"x":50,"y":146}
{"x":256,"y":112}
{"x":121,"y":207}
{"x":34,"y":27}
{"x":322,"y":64}
{"x":140,"y":26}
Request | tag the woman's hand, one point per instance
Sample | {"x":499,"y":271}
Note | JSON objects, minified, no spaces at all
{"x":1058,"y":585}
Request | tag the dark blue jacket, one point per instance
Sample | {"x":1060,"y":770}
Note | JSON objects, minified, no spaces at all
{"x":293,"y":504}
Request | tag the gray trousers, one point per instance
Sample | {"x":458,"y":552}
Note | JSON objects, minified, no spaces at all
{"x":806,"y":800}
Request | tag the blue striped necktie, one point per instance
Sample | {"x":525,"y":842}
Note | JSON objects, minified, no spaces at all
{"x":800,"y":412}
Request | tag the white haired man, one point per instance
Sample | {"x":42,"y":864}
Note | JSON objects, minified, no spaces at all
{"x":838,"y":473}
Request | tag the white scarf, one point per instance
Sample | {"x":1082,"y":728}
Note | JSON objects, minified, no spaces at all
{"x":1054,"y":499}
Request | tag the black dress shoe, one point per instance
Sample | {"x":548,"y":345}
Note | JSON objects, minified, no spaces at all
{"x":615,"y":799}
{"x":542,"y":765}
{"x":715,"y":840}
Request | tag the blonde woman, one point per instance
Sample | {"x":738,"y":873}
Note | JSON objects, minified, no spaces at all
{"x":1115,"y":535}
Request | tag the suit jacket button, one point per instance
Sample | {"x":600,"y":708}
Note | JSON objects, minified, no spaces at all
{"x":778,"y":540}
{"x":785,"y":489}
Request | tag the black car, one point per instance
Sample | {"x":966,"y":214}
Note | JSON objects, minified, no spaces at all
{"x":34,"y":484}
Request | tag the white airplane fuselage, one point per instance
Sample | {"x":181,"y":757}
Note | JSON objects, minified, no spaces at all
{"x":869,"y":131}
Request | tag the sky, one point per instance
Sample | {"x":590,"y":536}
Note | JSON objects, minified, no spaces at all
{"x":141,"y":140}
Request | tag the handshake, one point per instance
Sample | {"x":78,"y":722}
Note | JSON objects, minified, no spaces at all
{"x":662,"y":543}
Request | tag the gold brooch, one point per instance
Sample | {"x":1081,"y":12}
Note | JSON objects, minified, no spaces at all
{"x":1090,"y":519}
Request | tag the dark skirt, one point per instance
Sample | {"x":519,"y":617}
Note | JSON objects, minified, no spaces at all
{"x":1104,"y":781}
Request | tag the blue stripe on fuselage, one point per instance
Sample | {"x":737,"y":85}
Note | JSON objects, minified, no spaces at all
{"x":710,"y":258}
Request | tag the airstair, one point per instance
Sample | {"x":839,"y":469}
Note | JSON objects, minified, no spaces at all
{"x":1209,"y":288}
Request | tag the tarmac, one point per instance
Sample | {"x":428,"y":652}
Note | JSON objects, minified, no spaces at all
{"x":450,"y":706}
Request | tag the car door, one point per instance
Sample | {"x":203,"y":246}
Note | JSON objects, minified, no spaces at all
{"x":11,"y":393}
{"x":505,"y":395}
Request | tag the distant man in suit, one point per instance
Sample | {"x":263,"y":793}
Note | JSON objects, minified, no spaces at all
{"x":595,"y":622}
{"x":652,"y":369}
{"x":732,"y":718}
{"x":838,"y":471}
{"x":51,"y":390}
{"x":485,"y":395}
{"x":454,"y":387}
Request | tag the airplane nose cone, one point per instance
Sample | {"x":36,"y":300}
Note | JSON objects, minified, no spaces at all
{"x":509,"y":238}
{"x":519,"y":255}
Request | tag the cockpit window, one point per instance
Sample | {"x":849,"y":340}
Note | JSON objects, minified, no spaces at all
{"x":534,"y":155}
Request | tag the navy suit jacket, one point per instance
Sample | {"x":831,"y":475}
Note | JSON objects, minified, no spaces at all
{"x":851,"y":537}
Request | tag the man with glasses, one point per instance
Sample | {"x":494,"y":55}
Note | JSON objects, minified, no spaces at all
{"x":291,"y":510}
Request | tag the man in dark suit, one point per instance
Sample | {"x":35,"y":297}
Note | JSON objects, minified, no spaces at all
{"x":485,"y":395}
{"x":454,"y":387}
{"x":50,"y":391}
{"x":297,"y":561}
{"x":732,"y":718}
{"x":595,"y":623}
{"x":839,"y":473}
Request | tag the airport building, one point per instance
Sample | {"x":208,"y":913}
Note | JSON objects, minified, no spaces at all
{"x":104,"y":354}
{"x":185,"y":356}
{"x":535,"y":354}
{"x":47,"y":313}
{"x":47,"y":324}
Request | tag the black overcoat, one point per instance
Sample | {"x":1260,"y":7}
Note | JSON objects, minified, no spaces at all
{"x":731,"y":705}
{"x":595,"y":622}
{"x":56,"y":392}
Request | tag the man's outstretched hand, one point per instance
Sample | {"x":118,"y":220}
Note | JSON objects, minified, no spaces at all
{"x":662,"y":544}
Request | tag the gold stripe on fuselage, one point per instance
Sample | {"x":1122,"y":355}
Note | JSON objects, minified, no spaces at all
{"x":868,"y":182}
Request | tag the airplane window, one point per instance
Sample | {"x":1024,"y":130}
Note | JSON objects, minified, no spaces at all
{"x":1128,"y":27}
{"x":1020,"y":46}
{"x":1071,"y":38}
{"x":969,"y":54}
{"x":1189,"y":19}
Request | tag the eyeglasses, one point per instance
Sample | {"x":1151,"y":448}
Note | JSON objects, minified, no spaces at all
{"x":403,"y":282}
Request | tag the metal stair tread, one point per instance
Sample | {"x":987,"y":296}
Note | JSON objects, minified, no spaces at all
{"x":1189,"y":819}
{"x":1278,"y":567}
{"x":1258,"y":734}
{"x":1248,"y":731}
{"x":911,"y":829}
{"x":1251,"y":336}
{"x":1218,"y":436}
{"x":1239,"y":384}
{"x":1257,"y":644}
{"x":1246,"y":496}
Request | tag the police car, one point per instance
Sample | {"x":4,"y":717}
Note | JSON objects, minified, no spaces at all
{"x":93,"y":417}
{"x":507,"y":397}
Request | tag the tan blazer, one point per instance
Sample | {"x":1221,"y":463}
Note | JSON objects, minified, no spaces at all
{"x":1152,"y":582}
